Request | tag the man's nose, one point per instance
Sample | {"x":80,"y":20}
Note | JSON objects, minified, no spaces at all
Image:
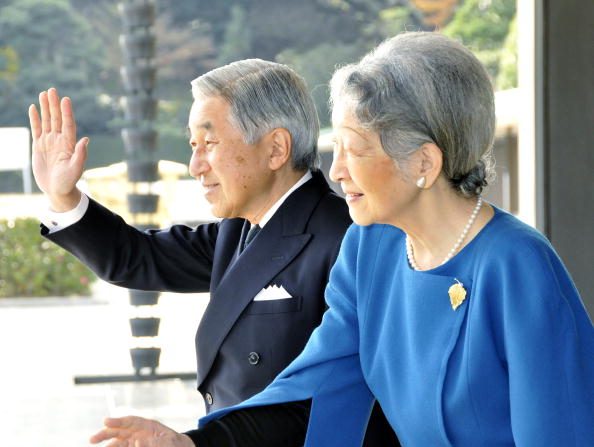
{"x":198,"y":165}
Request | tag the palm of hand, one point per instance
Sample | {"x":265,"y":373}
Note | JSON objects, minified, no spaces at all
{"x":57,"y":157}
{"x":51,"y":160}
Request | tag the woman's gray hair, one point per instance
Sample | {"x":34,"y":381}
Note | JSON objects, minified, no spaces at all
{"x":422,"y":87}
{"x":263,"y":96}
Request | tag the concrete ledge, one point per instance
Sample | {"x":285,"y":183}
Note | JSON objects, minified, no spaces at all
{"x":52,"y":301}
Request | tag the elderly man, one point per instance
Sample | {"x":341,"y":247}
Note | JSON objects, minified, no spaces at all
{"x":253,"y":134}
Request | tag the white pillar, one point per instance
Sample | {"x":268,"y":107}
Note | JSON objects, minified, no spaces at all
{"x":530,"y":122}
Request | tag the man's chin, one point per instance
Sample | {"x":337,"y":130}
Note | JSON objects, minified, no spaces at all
{"x":218,"y":212}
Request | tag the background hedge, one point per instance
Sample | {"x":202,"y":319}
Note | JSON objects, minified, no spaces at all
{"x":33,"y":266}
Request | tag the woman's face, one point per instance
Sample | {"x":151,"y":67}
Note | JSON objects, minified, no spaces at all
{"x":376,"y":189}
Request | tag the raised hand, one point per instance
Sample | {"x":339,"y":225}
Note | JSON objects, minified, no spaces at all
{"x":134,"y":431}
{"x":58,"y":159}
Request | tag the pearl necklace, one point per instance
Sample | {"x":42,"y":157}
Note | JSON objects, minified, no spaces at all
{"x":471,"y":219}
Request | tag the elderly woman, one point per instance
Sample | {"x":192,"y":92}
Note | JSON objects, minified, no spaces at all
{"x":458,"y":318}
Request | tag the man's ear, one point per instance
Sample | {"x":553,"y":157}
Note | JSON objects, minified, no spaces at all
{"x":280,"y":150}
{"x":430,"y":164}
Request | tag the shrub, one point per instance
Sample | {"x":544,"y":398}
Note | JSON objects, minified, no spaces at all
{"x":33,"y":266}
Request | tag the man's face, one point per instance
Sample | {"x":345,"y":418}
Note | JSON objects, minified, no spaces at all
{"x":235,"y":175}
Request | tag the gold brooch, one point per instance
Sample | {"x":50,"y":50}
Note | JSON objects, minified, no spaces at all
{"x":457,"y":294}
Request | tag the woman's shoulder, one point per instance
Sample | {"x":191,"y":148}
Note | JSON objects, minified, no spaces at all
{"x":513,"y":254}
{"x":506,"y":235}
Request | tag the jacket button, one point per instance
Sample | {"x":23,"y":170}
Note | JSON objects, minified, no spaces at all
{"x":208,"y":398}
{"x":254,"y":358}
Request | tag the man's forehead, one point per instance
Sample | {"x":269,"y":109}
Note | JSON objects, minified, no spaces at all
{"x":206,"y":111}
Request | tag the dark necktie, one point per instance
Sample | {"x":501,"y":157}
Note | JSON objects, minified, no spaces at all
{"x":251,"y":235}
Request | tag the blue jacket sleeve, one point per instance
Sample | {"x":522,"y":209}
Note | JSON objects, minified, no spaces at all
{"x":548,"y":341}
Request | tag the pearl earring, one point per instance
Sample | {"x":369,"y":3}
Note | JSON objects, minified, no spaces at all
{"x":421,"y":182}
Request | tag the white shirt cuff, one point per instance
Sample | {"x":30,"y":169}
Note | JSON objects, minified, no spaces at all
{"x":58,"y":221}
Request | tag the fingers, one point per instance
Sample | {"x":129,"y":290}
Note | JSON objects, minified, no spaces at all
{"x":34,"y":122}
{"x":114,"y":428}
{"x":118,"y":430}
{"x":79,"y":157}
{"x":104,"y":435}
{"x":45,"y":113}
{"x":123,"y":422}
{"x":126,"y":430}
{"x":68,"y":125}
{"x":56,"y":114}
{"x":54,"y":108}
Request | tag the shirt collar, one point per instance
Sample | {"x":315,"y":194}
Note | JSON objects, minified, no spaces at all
{"x":268,"y":215}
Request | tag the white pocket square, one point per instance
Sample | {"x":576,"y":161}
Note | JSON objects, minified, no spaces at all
{"x":273,"y":292}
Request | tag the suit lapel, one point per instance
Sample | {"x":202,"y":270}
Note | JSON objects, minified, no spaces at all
{"x":253,"y":270}
{"x":231,"y":236}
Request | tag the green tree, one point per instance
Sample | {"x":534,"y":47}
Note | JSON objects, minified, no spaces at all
{"x":54,"y":46}
{"x":32,"y":266}
{"x":317,"y":65}
{"x":483,"y":26}
{"x":9,"y":63}
{"x":507,"y":76}
{"x":237,"y":43}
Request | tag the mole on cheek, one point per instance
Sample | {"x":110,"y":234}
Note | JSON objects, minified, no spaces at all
{"x":240,"y":160}
{"x":246,"y":178}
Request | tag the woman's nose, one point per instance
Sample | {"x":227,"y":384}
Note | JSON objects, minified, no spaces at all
{"x":338,"y":171}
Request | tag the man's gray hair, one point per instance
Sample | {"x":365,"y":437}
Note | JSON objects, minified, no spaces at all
{"x":263,"y":96}
{"x":419,"y":88}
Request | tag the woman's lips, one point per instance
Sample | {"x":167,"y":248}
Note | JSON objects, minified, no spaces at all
{"x":353,"y":196}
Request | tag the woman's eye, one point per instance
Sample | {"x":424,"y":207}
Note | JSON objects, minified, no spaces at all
{"x":354,"y":152}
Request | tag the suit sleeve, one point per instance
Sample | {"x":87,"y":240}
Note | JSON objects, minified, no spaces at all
{"x":178,"y":259}
{"x":328,"y":370}
{"x":548,"y":341}
{"x":265,"y":426}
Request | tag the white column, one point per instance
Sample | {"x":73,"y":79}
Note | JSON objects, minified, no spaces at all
{"x":530,"y":122}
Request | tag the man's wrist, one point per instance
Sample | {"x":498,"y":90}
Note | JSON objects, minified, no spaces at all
{"x":57,"y":221}
{"x":189,"y":442}
{"x":64,"y":203}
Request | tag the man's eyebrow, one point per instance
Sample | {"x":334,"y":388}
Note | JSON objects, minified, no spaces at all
{"x":207,"y":125}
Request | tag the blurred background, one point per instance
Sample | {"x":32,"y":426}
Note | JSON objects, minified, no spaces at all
{"x":59,"y":323}
{"x":74,"y":46}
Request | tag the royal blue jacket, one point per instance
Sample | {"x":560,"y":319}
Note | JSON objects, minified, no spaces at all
{"x":512,"y":365}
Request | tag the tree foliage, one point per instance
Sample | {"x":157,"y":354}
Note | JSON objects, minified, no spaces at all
{"x":73,"y":44}
{"x":483,"y":26}
{"x":435,"y":13}
{"x":317,"y":66}
{"x":32,"y":266}
{"x":53,"y":46}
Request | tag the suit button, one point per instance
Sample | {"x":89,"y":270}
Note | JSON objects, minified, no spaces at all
{"x":208,"y":398}
{"x":254,"y":358}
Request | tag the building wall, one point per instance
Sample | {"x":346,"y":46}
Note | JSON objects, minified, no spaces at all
{"x":568,"y":145}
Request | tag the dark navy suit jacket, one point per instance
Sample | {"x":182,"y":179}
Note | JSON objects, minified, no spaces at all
{"x":241,"y":344}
